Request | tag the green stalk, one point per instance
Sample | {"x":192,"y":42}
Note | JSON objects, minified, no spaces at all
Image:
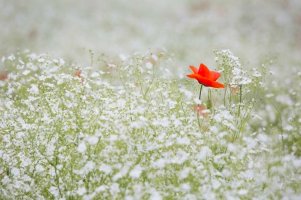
{"x":225,"y":93}
{"x":209,"y":102}
{"x":200,"y":92}
{"x":240,"y":99}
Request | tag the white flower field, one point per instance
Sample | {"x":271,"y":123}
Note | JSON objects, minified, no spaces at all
{"x":95,"y":102}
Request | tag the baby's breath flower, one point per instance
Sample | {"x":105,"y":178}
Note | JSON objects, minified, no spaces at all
{"x":129,"y":132}
{"x":231,"y":68}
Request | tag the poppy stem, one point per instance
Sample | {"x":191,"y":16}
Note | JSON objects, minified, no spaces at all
{"x":200,"y":92}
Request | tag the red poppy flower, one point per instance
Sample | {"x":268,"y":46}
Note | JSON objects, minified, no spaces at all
{"x":206,"y":77}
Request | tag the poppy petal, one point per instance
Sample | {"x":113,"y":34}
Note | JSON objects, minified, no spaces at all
{"x":202,"y":80}
{"x":203,"y":70}
{"x":205,"y":81}
{"x":217,"y":85}
{"x":194,"y":76}
{"x":214,"y":75}
{"x":194,"y":69}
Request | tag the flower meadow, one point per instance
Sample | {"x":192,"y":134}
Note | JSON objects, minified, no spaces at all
{"x":128,"y":128}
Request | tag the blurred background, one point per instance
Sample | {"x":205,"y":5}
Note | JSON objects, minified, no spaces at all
{"x":189,"y":30}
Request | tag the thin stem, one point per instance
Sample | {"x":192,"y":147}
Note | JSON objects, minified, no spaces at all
{"x":91,"y":57}
{"x":240,"y":99}
{"x":198,"y":117}
{"x":230,"y":98}
{"x":200,"y":92}
{"x":57,"y":179}
{"x":209,"y":101}
{"x":225,"y":93}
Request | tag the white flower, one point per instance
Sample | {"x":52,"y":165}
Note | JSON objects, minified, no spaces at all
{"x":90,"y":165}
{"x":15,"y":171}
{"x":11,"y":58}
{"x":121,"y":173}
{"x":155,"y":195}
{"x":101,"y":188}
{"x":34,"y":89}
{"x":135,"y":173}
{"x":160,"y":163}
{"x":228,"y":61}
{"x":186,"y":187}
{"x":215,"y":184}
{"x":114,"y":189}
{"x":183,"y":141}
{"x":54,"y":191}
{"x":26,"y":72}
{"x":256,"y":73}
{"x":239,"y":77}
{"x":184,"y":173}
{"x":81,"y":147}
{"x":39,"y":168}
{"x":162,"y":122}
{"x":92,"y":140}
{"x":107,"y":169}
{"x":81,"y":191}
{"x":204,"y":153}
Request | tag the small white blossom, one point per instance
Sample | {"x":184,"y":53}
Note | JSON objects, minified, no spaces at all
{"x":204,"y":153}
{"x":135,"y":173}
{"x":155,"y":195}
{"x":92,"y":140}
{"x":107,"y":169}
{"x":114,"y":188}
{"x":34,"y":89}
{"x":81,"y":147}
{"x":81,"y":191}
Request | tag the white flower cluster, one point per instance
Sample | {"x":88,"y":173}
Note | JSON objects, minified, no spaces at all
{"x":126,"y":133}
{"x":230,"y":64}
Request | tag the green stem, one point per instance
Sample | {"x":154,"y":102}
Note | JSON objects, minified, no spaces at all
{"x":200,"y":92}
{"x":209,"y":102}
{"x":199,"y":123}
{"x":230,"y":98}
{"x":240,"y":99}
{"x":225,"y":93}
